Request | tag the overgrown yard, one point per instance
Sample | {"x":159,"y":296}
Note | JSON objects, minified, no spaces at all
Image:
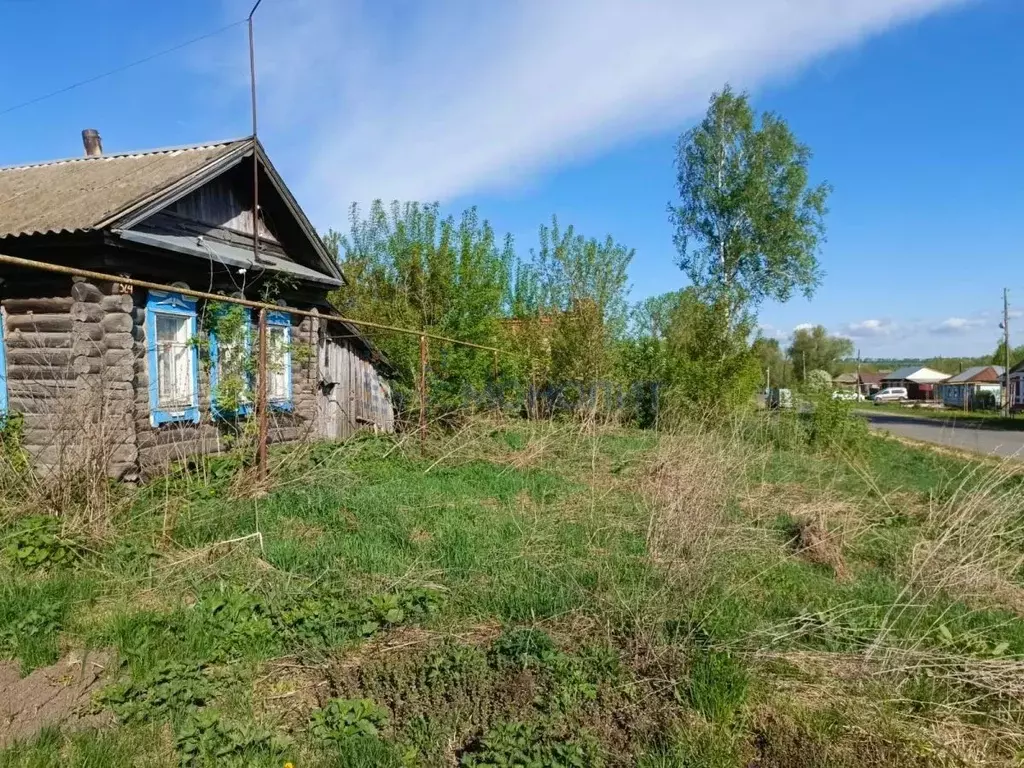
{"x":526,"y":594}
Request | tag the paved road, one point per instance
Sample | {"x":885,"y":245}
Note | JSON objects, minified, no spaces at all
{"x":970,"y":438}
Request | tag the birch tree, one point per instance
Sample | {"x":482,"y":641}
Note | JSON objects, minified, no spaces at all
{"x":748,"y":223}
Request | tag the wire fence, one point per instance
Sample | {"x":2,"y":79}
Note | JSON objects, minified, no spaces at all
{"x":122,"y":376}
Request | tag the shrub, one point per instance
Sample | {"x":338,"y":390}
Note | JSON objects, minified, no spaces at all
{"x":833,"y":424}
{"x":509,"y":744}
{"x":344,"y":719}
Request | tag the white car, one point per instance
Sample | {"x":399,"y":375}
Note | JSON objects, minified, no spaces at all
{"x":845,"y":394}
{"x":891,"y":395}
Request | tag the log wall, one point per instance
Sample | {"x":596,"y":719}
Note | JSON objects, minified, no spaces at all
{"x":78,"y":371}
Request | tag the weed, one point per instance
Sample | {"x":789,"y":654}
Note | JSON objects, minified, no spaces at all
{"x":523,"y":647}
{"x":208,"y":738}
{"x":515,"y":743}
{"x":170,"y":689}
{"x":36,"y":542}
{"x":343,"y":719}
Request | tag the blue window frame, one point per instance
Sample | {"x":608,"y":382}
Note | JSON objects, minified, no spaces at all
{"x":3,"y":362}
{"x":173,"y":358}
{"x":279,"y":360}
{"x":219,"y":354}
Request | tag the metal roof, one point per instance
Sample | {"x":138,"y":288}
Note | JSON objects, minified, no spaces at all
{"x":916,"y":373}
{"x":89,"y":192}
{"x":975,"y":372}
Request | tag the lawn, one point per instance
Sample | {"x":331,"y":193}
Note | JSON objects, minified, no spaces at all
{"x":518,"y":594}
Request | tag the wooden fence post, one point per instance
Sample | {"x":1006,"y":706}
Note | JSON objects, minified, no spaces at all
{"x":423,"y":392}
{"x":261,"y":400}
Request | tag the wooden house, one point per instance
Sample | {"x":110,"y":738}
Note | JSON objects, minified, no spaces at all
{"x":99,"y":366}
{"x":977,"y":387}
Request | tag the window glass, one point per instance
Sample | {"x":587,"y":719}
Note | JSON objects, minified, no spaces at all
{"x":174,"y":361}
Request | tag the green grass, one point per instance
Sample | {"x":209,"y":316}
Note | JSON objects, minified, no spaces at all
{"x":511,"y":572}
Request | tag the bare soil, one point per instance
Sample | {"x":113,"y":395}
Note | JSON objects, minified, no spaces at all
{"x":57,"y":695}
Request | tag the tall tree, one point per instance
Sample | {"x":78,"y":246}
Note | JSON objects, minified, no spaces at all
{"x":999,"y":356}
{"x":748,"y":224}
{"x":772,"y":360}
{"x":814,"y":349}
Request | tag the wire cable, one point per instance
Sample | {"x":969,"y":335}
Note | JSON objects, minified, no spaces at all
{"x":121,"y":68}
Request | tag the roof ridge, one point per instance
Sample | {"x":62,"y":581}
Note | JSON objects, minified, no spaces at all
{"x":133,"y":153}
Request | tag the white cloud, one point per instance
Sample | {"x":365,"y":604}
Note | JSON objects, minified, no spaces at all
{"x":436,"y":100}
{"x":868,"y":329}
{"x":803,"y":327}
{"x":956,"y":325}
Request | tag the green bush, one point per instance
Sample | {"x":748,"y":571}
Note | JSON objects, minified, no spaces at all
{"x":833,"y":425}
{"x":36,"y":542}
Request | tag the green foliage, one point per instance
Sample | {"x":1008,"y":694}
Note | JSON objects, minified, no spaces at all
{"x":818,"y":381}
{"x":208,"y":738}
{"x":774,"y":367}
{"x":37,"y":542}
{"x":12,"y":432}
{"x":833,"y":424}
{"x":717,"y":685}
{"x":712,"y":370}
{"x":523,"y":647}
{"x":409,"y":267}
{"x":231,"y":326}
{"x":813,"y":349}
{"x":343,"y":719}
{"x":748,"y":225}
{"x":167,"y":690}
{"x":523,"y":744}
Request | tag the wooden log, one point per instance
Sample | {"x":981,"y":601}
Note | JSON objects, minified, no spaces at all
{"x":84,"y":365}
{"x":162,"y":455}
{"x":39,"y":323}
{"x":48,"y":305}
{"x":39,"y":356}
{"x":42,"y":374}
{"x":118,"y":341}
{"x":118,"y":303}
{"x":86,"y":292}
{"x":117,"y":322}
{"x":115,"y":358}
{"x":22,"y":340}
{"x":87,"y":313}
{"x":88,"y":348}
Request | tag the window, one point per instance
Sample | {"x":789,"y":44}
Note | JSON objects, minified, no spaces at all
{"x":230,"y":364}
{"x":173,"y":358}
{"x":279,"y":360}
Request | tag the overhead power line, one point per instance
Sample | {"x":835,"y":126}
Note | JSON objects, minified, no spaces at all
{"x":122,"y":68}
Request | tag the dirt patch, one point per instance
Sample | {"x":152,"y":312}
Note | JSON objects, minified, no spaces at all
{"x":289,"y":691}
{"x":60,"y":694}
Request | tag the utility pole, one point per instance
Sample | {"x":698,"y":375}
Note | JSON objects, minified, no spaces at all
{"x":858,"y":373}
{"x":804,"y":356}
{"x":1006,"y":352}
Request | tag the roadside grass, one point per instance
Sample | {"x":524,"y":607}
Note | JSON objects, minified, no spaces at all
{"x":525,"y":593}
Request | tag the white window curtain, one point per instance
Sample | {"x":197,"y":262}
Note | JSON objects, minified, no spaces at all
{"x":279,"y":360}
{"x":174,"y":361}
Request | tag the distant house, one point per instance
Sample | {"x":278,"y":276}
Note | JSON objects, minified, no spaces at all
{"x":1016,"y":387}
{"x":870,"y":383}
{"x":845,"y":381}
{"x":921,"y":382}
{"x":978,"y":387}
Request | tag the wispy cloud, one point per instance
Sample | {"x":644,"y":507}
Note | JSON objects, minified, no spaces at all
{"x":437,"y":100}
{"x":868,"y":329}
{"x":957,"y":325}
{"x":802,"y":327}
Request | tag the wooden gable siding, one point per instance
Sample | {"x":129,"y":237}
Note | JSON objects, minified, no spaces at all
{"x":217,"y":204}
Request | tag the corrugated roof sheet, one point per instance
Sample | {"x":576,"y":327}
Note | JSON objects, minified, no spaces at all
{"x":975,"y":372}
{"x":917,"y":373}
{"x":79,"y":194}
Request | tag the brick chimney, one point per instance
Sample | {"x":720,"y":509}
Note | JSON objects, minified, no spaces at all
{"x":92,"y":142}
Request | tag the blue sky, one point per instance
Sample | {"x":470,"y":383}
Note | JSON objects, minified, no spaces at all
{"x":913,"y":110}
